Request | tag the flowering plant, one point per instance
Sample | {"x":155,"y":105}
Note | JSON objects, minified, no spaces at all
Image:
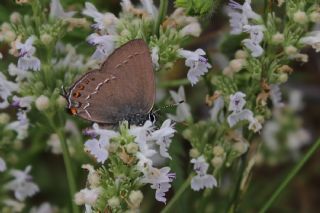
{"x":50,"y":45}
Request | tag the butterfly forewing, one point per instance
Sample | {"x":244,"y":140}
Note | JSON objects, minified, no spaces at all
{"x":124,"y":86}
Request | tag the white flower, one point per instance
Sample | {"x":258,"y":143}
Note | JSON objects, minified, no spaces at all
{"x":237,"y":21}
{"x":23,"y":102}
{"x":56,"y":10}
{"x":312,"y":39}
{"x":54,"y":144}
{"x":6,"y":89}
{"x":217,"y":107}
{"x":105,"y":22}
{"x":235,"y":117}
{"x":104,"y":44}
{"x":14,"y":205}
{"x":3,"y":165}
{"x":236,"y":105}
{"x":99,"y":148}
{"x":196,"y":62}
{"x":270,"y":130}
{"x":298,"y":139}
{"x":159,"y":180}
{"x":245,"y":9}
{"x":239,"y":15}
{"x":183,"y":109}
{"x":295,"y":100}
{"x":193,"y":29}
{"x":256,"y":32}
{"x":20,"y":73}
{"x":126,"y":5}
{"x":26,"y":59}
{"x":44,"y":208}
{"x":237,"y":102}
{"x":155,"y":57}
{"x":150,"y":8}
{"x":142,"y":134}
{"x":21,"y":125}
{"x":163,"y":137}
{"x":202,"y":179}
{"x":161,"y":189}
{"x":254,"y":47}
{"x":276,"y":95}
{"x":22,"y":185}
{"x":86,"y":196}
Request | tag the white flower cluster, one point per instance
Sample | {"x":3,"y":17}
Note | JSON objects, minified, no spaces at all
{"x":239,"y":21}
{"x":106,"y":26}
{"x":146,"y":138}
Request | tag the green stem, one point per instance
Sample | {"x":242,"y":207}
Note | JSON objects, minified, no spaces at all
{"x":70,"y":174}
{"x":162,"y":12}
{"x":68,"y":165}
{"x":177,"y":195}
{"x":290,"y":176}
{"x":233,"y":202}
{"x":174,"y":83}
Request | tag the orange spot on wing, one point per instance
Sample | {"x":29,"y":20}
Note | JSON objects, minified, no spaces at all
{"x":73,"y":110}
{"x":80,"y":87}
{"x":76,"y":94}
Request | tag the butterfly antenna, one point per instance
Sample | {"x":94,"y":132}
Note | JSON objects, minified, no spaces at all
{"x":168,"y":106}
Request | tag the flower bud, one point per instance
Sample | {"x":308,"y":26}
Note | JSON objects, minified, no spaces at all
{"x":9,"y":36}
{"x":300,"y":17}
{"x":218,"y":150}
{"x":283,"y":78}
{"x":285,"y":69}
{"x":315,"y":17}
{"x":135,"y":198}
{"x":61,"y":101}
{"x":240,"y":147}
{"x":132,"y":148}
{"x":237,"y":64}
{"x":4,"y":118}
{"x":15,"y":18}
{"x":227,"y":71}
{"x":278,"y":38}
{"x":217,"y":162}
{"x":86,"y":196}
{"x":42,"y":103}
{"x":241,"y":54}
{"x":113,"y":147}
{"x":114,"y":202}
{"x":46,"y":39}
{"x":290,"y":50}
{"x":194,"y":153}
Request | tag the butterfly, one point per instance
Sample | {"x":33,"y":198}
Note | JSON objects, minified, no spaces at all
{"x":123,"y":89}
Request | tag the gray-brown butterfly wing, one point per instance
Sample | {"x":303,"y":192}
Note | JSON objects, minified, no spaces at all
{"x":124,"y":86}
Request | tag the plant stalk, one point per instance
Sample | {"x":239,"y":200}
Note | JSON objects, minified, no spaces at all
{"x":162,"y":13}
{"x":69,"y":171}
{"x":177,"y":195}
{"x":290,"y":176}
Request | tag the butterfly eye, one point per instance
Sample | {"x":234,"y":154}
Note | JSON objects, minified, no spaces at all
{"x":152,"y":118}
